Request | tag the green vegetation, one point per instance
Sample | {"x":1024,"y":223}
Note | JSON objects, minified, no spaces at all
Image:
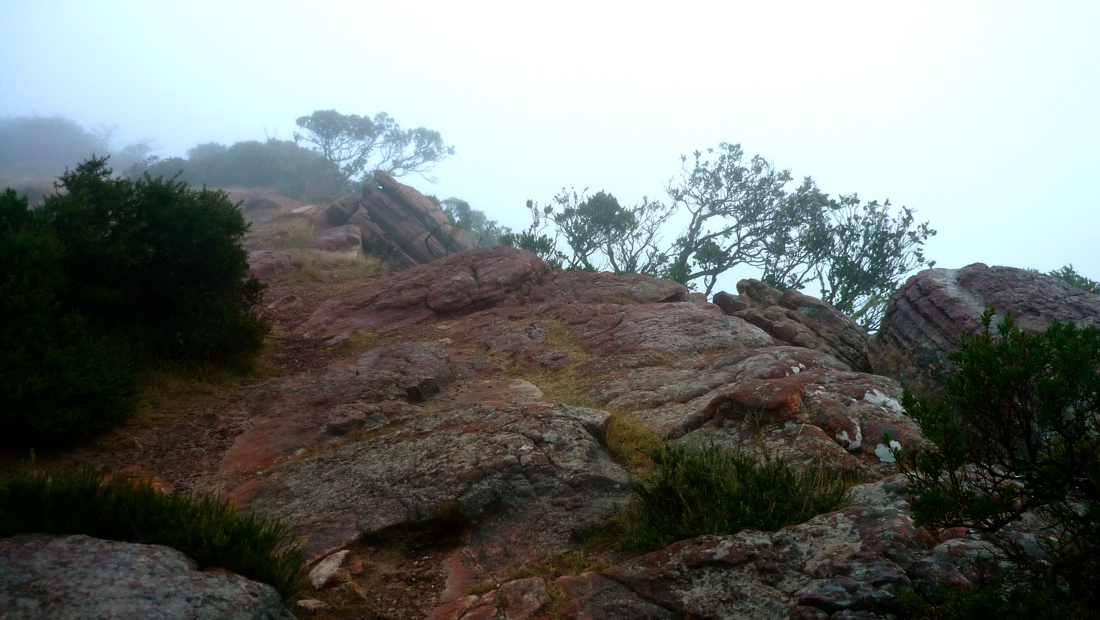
{"x":104,"y":277}
{"x":1018,"y":431}
{"x":741,"y":213}
{"x":205,"y":528}
{"x":1069,"y":274}
{"x":711,"y":491}
{"x":34,"y":150}
{"x":245,"y":164}
{"x":990,"y":600}
{"x":358,"y":145}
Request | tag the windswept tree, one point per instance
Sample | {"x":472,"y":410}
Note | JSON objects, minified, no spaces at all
{"x":739,"y":213}
{"x":358,"y":145}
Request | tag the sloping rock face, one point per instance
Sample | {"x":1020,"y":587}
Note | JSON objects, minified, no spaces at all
{"x":536,"y":474}
{"x":398,"y":223}
{"x":798,"y":320}
{"x":77,"y":577}
{"x":487,"y":381}
{"x":925,"y":317}
{"x":460,"y":283}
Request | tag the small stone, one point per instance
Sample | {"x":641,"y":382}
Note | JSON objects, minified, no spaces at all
{"x":312,"y":604}
{"x":327,"y":568}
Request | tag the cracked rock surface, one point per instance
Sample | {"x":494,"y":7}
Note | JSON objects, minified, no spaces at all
{"x":536,"y":474}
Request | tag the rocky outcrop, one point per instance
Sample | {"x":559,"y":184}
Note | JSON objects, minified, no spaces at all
{"x":794,"y":402}
{"x":457,"y":284}
{"x":798,"y":320}
{"x":398,"y":223}
{"x":469,"y":393}
{"x":925,"y":317}
{"x":77,"y":577}
{"x":586,"y":287}
{"x":534,"y":475}
{"x":846,"y":564}
{"x":262,"y":203}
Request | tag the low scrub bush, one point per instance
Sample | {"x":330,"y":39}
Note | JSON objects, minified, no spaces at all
{"x":104,"y":278}
{"x":1018,"y":431}
{"x":988,"y":601}
{"x":695,"y":491}
{"x":204,"y":528}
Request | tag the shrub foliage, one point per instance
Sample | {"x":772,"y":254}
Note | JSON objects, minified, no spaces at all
{"x":204,"y":528}
{"x":104,"y":276}
{"x":1018,"y":431}
{"x":711,"y":491}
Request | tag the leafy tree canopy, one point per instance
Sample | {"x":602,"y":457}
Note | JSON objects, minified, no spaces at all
{"x":739,"y":213}
{"x":358,"y":145}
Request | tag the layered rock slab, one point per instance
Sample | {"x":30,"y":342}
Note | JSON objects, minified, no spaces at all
{"x":78,"y":577}
{"x":926,"y":315}
{"x":535,"y":476}
{"x":800,"y":320}
{"x":398,"y":223}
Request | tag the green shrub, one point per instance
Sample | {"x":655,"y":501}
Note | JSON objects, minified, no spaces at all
{"x":246,"y":164}
{"x":990,"y":601}
{"x":159,"y":261}
{"x":1070,"y":275}
{"x":712,"y":491}
{"x":203,"y":527}
{"x":59,"y":378}
{"x":1017,"y":431}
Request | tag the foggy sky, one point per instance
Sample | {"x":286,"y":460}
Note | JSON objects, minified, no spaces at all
{"x":982,"y":116}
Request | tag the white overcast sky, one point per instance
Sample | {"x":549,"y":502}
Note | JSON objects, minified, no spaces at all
{"x":982,"y":116}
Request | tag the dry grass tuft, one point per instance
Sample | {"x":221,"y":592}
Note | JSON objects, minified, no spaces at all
{"x":631,"y":442}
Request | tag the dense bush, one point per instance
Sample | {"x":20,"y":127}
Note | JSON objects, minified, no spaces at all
{"x":1018,"y":431}
{"x":711,"y":491}
{"x":159,"y":260}
{"x":205,"y":528}
{"x":107,"y":275}
{"x":246,"y":164}
{"x":58,"y":377}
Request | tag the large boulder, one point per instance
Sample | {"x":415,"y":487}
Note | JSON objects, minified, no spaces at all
{"x":77,"y":578}
{"x":798,"y":320}
{"x":398,"y":223}
{"x":926,"y":315}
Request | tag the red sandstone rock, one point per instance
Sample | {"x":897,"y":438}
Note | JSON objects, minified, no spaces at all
{"x":799,"y":320}
{"x":924,"y":318}
{"x":460,"y":283}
